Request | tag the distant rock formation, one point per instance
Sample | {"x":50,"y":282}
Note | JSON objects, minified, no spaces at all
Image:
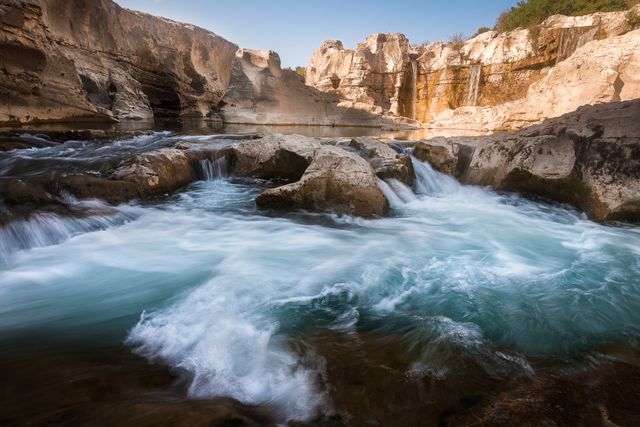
{"x":261,"y":92}
{"x":491,"y":82}
{"x":93,"y":60}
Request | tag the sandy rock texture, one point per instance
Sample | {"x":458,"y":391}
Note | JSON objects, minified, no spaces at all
{"x":92,"y":59}
{"x":320,"y":177}
{"x":491,"y":82}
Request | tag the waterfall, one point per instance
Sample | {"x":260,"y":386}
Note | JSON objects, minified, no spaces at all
{"x":432,"y":182}
{"x":475,"y":75}
{"x":573,"y":38}
{"x":44,"y":229}
{"x":396,"y":192}
{"x":414,"y":87}
{"x":429,"y":182}
{"x":213,"y":170}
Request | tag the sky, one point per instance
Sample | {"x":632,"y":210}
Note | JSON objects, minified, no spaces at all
{"x":295,"y":29}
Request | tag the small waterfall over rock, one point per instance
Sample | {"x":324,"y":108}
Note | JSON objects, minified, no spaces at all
{"x":573,"y":38}
{"x":475,"y":76}
{"x":214,"y":169}
{"x":397,"y":193}
{"x":432,"y":182}
{"x":429,"y":182}
{"x":414,"y":88}
{"x":44,"y":229}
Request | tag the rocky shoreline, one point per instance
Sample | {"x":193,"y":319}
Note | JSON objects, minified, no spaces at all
{"x":588,"y":159}
{"x":113,"y":387}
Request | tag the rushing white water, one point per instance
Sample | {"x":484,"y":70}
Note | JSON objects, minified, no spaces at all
{"x":214,"y":169}
{"x":205,"y":283}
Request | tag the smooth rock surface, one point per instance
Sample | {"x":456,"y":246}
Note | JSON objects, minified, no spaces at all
{"x":95,"y":60}
{"x":325,"y":177}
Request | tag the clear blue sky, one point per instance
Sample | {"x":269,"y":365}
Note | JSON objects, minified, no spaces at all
{"x":296,"y":28}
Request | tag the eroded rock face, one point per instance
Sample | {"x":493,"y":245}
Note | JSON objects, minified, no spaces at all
{"x":94,"y":59}
{"x":589,"y":158}
{"x":262,"y":92}
{"x":489,"y":83}
{"x":325,"y":177}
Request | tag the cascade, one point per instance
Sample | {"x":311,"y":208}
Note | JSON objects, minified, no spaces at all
{"x":213,"y":170}
{"x":475,"y":75}
{"x":414,"y":87}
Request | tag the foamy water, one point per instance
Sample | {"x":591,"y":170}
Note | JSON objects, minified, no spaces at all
{"x":205,"y":283}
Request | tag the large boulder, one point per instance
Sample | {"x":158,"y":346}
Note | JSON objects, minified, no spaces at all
{"x":589,"y":158}
{"x":324,"y":177}
{"x":115,"y":180}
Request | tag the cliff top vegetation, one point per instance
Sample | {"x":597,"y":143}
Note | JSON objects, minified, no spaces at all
{"x":528,"y":13}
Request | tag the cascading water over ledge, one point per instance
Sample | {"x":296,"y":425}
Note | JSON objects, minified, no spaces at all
{"x":212,"y":170}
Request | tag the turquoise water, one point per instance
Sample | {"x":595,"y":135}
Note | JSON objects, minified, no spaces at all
{"x":205,"y":283}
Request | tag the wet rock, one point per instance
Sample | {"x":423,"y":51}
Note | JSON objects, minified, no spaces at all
{"x":325,"y":177}
{"x":589,"y":158}
{"x":400,"y":168}
{"x":441,"y":153}
{"x":386,"y":161}
{"x":107,"y":389}
{"x":604,"y":396}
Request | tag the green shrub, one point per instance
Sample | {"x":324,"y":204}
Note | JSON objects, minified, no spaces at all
{"x":302,"y":71}
{"x":529,"y":13}
{"x":633,"y":19}
{"x":480,"y":31}
{"x":456,"y":41}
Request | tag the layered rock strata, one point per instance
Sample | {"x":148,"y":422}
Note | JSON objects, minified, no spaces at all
{"x":491,"y":82}
{"x":91,"y":59}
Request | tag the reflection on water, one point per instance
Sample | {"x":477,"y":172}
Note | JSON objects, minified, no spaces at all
{"x":190,"y":126}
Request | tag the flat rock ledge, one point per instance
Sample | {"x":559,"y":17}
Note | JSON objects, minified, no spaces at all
{"x":589,"y":158}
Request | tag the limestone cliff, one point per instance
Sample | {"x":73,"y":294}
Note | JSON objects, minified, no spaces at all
{"x":94,"y":59}
{"x":75,"y":60}
{"x":523,"y":76}
{"x":261,"y":92}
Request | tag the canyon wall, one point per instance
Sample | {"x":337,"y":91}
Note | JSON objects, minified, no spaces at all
{"x":92,"y":59}
{"x":64,"y":60}
{"x":262,"y":92}
{"x":492,"y":81}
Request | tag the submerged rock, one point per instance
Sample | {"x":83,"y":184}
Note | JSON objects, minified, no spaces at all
{"x":326,"y":177}
{"x":589,"y":158}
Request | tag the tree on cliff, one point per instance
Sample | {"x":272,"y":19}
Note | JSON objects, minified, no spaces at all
{"x":528,"y":13}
